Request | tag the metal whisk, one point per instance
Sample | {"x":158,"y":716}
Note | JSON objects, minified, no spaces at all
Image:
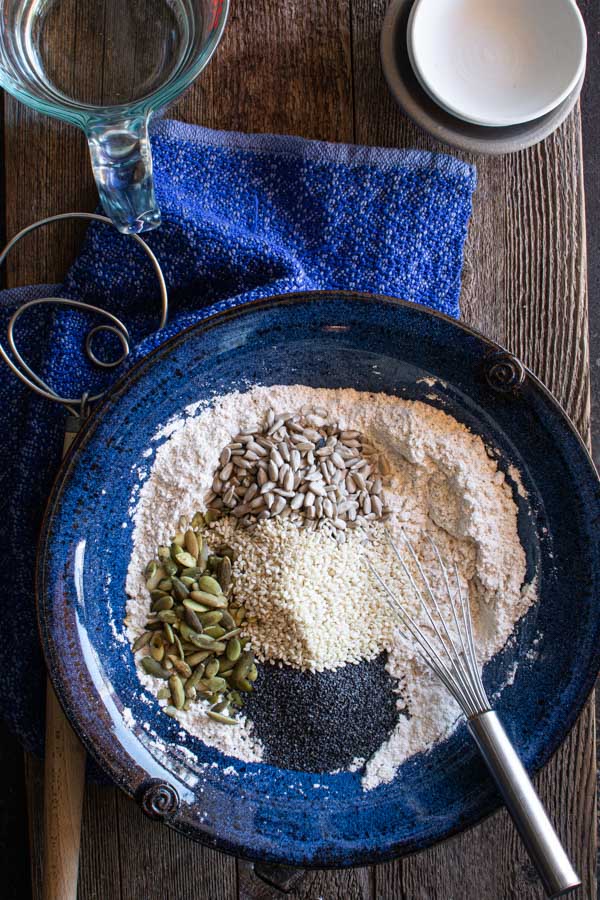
{"x":450,"y":653}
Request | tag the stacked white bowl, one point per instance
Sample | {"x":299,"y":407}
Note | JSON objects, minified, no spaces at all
{"x":497,"y":62}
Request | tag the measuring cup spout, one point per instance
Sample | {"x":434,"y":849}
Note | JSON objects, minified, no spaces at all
{"x":122,"y":164}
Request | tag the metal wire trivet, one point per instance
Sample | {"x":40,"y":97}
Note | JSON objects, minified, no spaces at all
{"x":77,"y":407}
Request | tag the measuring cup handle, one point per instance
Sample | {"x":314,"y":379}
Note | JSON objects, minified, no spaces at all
{"x":122,"y":164}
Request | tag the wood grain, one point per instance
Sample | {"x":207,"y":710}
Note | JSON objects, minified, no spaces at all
{"x":100,"y":859}
{"x":281,"y":67}
{"x":153,"y":857}
{"x":34,"y":784}
{"x":524,"y":279}
{"x":313,"y":69}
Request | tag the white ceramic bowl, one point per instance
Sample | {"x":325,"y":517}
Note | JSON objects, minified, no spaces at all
{"x":497,"y":62}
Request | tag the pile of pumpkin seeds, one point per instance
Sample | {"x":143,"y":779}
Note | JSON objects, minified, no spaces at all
{"x":303,"y":467}
{"x":192,"y":639}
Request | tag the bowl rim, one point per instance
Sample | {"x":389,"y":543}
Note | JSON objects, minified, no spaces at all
{"x":455,"y":109}
{"x":52,"y":659}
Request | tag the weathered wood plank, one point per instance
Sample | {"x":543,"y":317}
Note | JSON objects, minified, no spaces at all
{"x":281,"y":67}
{"x":352,"y":884}
{"x":546,"y":308}
{"x":100,"y":860}
{"x":524,"y":279}
{"x":124,"y":855}
{"x":34,"y":784}
{"x":293,"y":76}
{"x":47,"y":172}
{"x":156,"y":863}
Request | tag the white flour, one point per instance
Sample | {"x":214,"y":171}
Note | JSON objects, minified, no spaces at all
{"x":442,"y":480}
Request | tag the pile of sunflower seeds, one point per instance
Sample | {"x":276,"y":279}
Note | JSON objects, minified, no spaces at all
{"x":192,"y":637}
{"x":302,"y":467}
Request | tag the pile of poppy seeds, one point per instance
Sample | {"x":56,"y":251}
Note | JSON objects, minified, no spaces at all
{"x":322,"y":721}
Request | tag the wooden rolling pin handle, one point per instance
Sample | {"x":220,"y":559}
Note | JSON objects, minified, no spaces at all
{"x":64,"y":781}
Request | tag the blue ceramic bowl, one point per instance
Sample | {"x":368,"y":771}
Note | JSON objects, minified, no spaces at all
{"x":332,"y":340}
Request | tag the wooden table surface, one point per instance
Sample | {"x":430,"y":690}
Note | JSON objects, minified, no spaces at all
{"x":312,"y":68}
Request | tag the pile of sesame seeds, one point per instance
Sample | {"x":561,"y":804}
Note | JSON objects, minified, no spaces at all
{"x":310,"y":600}
{"x":301,"y":467}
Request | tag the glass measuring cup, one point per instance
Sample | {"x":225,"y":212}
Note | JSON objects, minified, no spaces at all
{"x":106,"y":66}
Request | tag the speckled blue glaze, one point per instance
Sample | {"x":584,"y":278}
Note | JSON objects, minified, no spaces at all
{"x":331,"y":340}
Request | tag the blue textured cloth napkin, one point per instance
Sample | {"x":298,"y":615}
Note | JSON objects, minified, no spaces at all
{"x":244,"y":216}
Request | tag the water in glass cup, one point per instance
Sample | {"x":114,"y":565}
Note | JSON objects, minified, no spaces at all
{"x":106,"y":65}
{"x":123,"y":52}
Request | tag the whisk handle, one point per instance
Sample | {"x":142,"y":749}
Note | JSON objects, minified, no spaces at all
{"x":528,"y":814}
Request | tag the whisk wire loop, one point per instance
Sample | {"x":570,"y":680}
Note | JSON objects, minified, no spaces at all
{"x":454,"y":656}
{"x":425,"y":646}
{"x":444,"y":571}
{"x":472,"y":652}
{"x":464,"y":629}
{"x":449,"y":664}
